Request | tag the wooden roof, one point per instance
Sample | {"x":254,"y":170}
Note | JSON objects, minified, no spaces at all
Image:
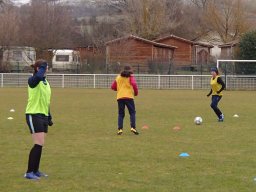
{"x":173,"y":37}
{"x":203,"y":44}
{"x":229,"y":44}
{"x":184,"y":40}
{"x":143,"y":40}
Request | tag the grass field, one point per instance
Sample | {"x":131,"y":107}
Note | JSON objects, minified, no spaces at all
{"x":83,"y":152}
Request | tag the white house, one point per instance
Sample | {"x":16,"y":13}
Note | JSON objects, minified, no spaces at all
{"x":213,"y":39}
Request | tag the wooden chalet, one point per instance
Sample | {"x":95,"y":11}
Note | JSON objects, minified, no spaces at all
{"x":189,"y":53}
{"x":138,"y":52}
{"x":229,"y":50}
{"x":87,"y":51}
{"x":90,"y":55}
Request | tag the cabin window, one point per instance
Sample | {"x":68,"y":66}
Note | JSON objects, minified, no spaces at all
{"x":62,"y":57}
{"x":17,"y":55}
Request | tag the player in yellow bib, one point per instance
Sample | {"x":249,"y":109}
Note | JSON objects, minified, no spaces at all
{"x":126,"y":87}
{"x":217,"y":86}
{"x":38,"y":116}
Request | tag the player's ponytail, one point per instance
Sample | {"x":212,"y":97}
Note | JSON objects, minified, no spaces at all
{"x":127,"y":71}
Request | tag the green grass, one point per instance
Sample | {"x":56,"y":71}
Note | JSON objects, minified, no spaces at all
{"x":83,"y":152}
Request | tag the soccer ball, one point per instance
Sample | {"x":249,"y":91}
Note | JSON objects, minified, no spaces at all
{"x":198,"y":120}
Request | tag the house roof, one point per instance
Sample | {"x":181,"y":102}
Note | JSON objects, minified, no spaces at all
{"x":143,"y":40}
{"x":173,"y":37}
{"x":17,"y":47}
{"x":87,"y":47}
{"x":184,"y":40}
{"x":203,"y":44}
{"x":229,"y":44}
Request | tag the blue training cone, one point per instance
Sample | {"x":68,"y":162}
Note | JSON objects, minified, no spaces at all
{"x":184,"y":155}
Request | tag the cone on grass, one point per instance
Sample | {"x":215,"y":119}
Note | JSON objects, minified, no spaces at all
{"x":184,"y":155}
{"x":176,"y":128}
{"x":145,"y":127}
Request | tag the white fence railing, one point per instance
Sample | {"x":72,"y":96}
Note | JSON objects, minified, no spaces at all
{"x":144,"y":81}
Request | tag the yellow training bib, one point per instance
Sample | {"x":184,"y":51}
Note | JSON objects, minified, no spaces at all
{"x":215,"y":86}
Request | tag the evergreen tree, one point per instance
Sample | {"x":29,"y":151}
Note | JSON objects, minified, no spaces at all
{"x":248,"y":52}
{"x":248,"y":46}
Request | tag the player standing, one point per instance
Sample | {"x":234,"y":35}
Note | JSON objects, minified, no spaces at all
{"x":126,"y":87}
{"x":38,"y":116}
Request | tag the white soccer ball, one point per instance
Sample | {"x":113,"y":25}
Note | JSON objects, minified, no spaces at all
{"x":198,"y":120}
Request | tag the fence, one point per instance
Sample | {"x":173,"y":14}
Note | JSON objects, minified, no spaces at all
{"x":144,"y":81}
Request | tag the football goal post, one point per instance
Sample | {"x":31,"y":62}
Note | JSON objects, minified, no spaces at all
{"x":237,"y":68}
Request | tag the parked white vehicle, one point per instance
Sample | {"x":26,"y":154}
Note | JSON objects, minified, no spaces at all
{"x":66,"y":60}
{"x":18,"y":58}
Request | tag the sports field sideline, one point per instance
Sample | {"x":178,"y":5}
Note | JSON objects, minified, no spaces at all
{"x":83,"y":152}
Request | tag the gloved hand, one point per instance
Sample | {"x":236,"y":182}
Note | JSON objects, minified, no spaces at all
{"x":43,"y":66}
{"x":50,"y":123}
{"x":208,"y":95}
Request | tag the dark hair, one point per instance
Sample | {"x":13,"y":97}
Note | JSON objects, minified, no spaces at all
{"x":37,"y":64}
{"x":215,"y":69}
{"x":127,"y":71}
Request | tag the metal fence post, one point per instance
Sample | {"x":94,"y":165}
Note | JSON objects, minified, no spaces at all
{"x":2,"y":80}
{"x":192,"y":82}
{"x":63,"y":81}
{"x":227,"y":82}
{"x":159,"y":82}
{"x":94,"y":81}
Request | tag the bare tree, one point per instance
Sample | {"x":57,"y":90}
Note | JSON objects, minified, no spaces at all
{"x":105,"y":26}
{"x":201,"y":3}
{"x":145,"y":18}
{"x":5,"y":2}
{"x":9,"y":26}
{"x":118,"y":6}
{"x":46,"y":24}
{"x":148,"y":18}
{"x":227,"y":18}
